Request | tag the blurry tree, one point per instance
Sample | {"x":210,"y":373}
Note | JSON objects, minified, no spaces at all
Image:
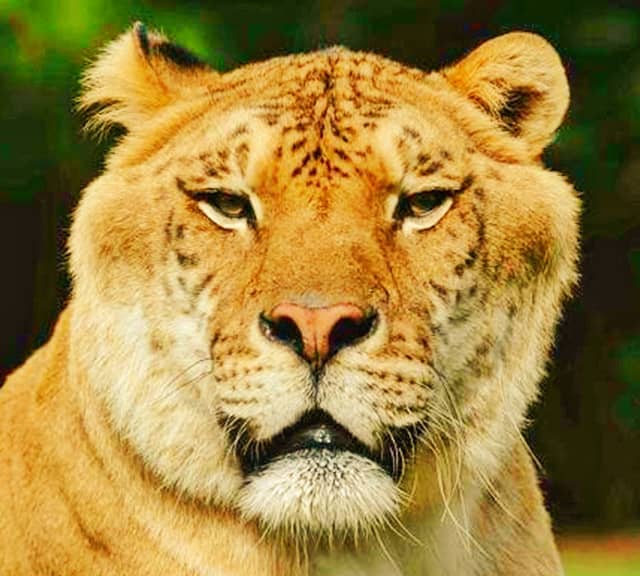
{"x":587,"y":425}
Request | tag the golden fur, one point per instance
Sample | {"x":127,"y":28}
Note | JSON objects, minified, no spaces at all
{"x":122,"y":440}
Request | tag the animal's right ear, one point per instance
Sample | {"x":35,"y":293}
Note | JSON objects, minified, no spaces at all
{"x":136,"y":76}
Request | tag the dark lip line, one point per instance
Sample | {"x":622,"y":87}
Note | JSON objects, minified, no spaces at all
{"x":255,"y":456}
{"x":285,"y":442}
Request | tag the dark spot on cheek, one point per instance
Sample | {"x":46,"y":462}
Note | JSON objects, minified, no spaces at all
{"x":339,"y":171}
{"x":187,"y":260}
{"x":398,"y":337}
{"x":167,"y":227}
{"x":241,"y":149}
{"x":239,"y":131}
{"x":200,"y":286}
{"x":156,"y":344}
{"x":484,"y":347}
{"x":411,"y":133}
{"x":424,"y":344}
{"x":441,"y":290}
{"x":468,"y":263}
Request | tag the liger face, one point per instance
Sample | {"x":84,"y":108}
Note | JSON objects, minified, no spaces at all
{"x":335,"y":280}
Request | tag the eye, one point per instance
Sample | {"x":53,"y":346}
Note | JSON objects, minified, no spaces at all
{"x":228,"y":209}
{"x":423,"y":209}
{"x":420,"y":204}
{"x":229,"y":204}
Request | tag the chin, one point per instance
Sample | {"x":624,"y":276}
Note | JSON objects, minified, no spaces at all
{"x":315,"y":481}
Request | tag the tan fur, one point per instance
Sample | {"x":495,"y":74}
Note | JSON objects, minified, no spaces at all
{"x":116,"y":455}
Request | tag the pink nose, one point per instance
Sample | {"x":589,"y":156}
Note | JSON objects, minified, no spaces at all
{"x":316,"y":334}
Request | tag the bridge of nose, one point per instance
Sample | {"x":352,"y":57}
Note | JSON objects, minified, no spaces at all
{"x":333,"y":264}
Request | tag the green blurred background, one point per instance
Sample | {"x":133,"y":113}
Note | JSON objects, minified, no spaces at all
{"x":587,"y":425}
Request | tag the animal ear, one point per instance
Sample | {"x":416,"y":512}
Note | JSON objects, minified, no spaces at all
{"x":519,"y":81}
{"x":136,"y":76}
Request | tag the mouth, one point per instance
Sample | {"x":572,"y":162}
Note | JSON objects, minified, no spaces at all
{"x":315,"y":433}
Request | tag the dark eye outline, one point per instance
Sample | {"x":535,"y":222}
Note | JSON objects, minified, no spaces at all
{"x":408,"y":205}
{"x":217,"y":197}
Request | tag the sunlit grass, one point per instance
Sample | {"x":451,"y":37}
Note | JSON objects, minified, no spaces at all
{"x":590,"y":566}
{"x":602,"y":556}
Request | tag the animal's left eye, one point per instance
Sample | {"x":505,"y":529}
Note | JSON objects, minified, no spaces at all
{"x":228,"y":204}
{"x":428,"y":206}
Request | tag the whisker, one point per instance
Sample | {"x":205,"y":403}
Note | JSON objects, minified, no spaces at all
{"x":175,"y":389}
{"x":386,"y":552}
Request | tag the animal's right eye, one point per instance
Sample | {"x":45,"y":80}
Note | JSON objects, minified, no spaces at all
{"x":227,"y":209}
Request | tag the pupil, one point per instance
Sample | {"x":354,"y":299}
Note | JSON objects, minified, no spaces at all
{"x":230,"y":204}
{"x":426,"y":201}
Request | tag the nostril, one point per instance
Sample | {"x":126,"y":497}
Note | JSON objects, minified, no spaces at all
{"x":316,"y":334}
{"x":282,"y":329}
{"x":348,"y":331}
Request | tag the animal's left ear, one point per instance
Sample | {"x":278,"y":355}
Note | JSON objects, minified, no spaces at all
{"x":137,"y":76}
{"x":519,"y":81}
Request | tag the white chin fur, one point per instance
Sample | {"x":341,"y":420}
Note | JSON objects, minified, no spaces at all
{"x":320,"y":493}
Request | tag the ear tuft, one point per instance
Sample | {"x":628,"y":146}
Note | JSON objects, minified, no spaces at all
{"x":518,"y":80}
{"x":136,"y":76}
{"x":140,"y":31}
{"x":157,"y":45}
